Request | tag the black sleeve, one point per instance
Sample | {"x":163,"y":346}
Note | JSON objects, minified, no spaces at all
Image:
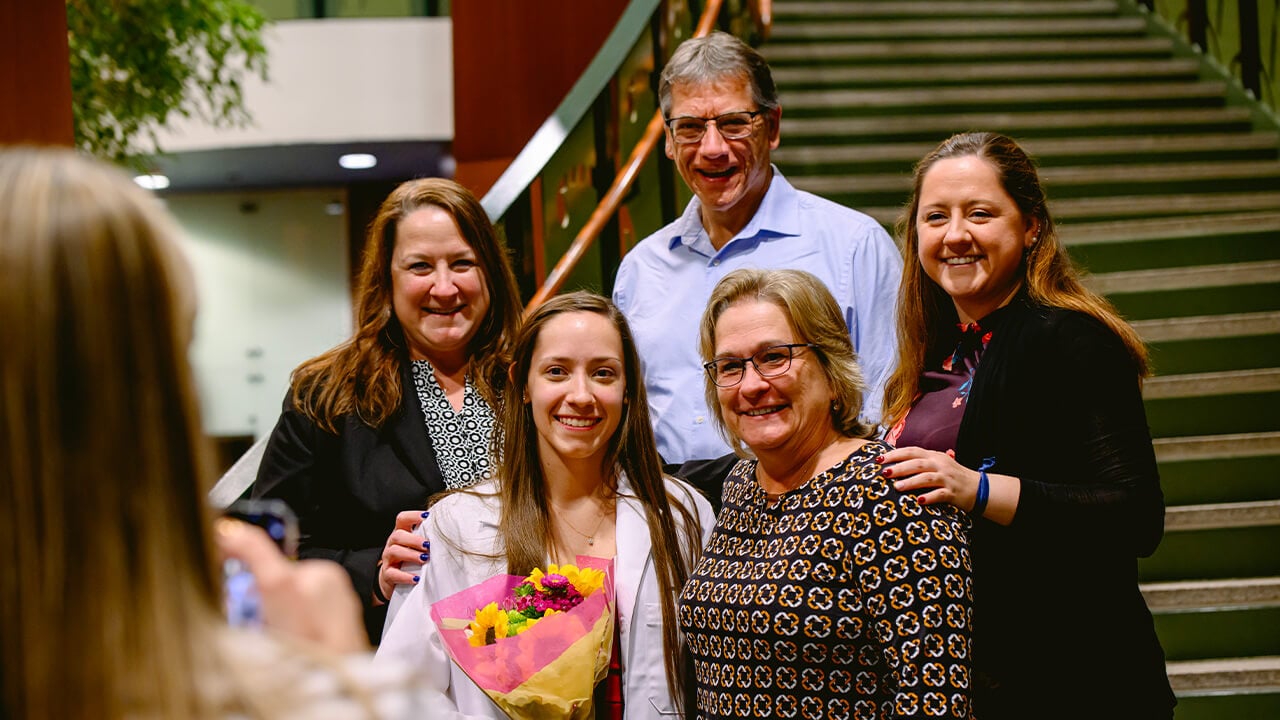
{"x":1106,"y":443}
{"x":706,"y":475}
{"x":300,"y":458}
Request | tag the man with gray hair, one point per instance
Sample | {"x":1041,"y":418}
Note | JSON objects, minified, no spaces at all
{"x":723,"y":120}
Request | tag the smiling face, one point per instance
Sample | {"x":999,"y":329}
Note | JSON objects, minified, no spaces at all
{"x":971,"y":235}
{"x":576,"y":387}
{"x":730,"y":177}
{"x":789,"y":413}
{"x":438,"y":290}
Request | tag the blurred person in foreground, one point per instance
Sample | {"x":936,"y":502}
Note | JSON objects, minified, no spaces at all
{"x":111,"y":605}
{"x":1018,"y":399}
{"x":823,"y":591}
{"x":723,"y":122}
{"x":581,"y":476}
{"x":405,"y":408}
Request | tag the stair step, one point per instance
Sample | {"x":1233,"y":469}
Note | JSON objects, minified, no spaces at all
{"x":1063,"y":179}
{"x":1121,"y":231}
{"x":1208,"y":326}
{"x":1076,"y":212}
{"x":1222,"y":515}
{"x":1231,"y":382}
{"x":1216,"y":541}
{"x":1046,"y":149}
{"x":1216,"y":447}
{"x":1138,"y":206}
{"x":859,"y":101}
{"x":1198,"y":677}
{"x":784,"y":10}
{"x":1200,"y":619}
{"x":1186,"y":278}
{"x":987,"y":26}
{"x":938,"y":127}
{"x":1196,"y":595}
{"x":1028,"y":72}
{"x":994,"y":50}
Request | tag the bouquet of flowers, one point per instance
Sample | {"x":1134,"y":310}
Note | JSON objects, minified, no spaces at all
{"x":536,"y":645}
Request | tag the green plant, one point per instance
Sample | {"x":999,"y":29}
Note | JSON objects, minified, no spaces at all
{"x":137,"y":63}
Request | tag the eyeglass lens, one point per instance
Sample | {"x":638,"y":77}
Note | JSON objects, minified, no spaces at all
{"x":769,"y":362}
{"x":732,"y":126}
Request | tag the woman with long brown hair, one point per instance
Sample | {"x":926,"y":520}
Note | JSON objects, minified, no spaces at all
{"x":407,"y":407}
{"x":580,"y":476}
{"x":1018,"y":400}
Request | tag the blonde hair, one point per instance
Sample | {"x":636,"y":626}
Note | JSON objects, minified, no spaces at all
{"x":110,"y":606}
{"x":815,"y":317}
{"x":1049,"y":276}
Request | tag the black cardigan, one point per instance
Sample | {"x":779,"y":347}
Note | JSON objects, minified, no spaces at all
{"x":347,"y":488}
{"x":1060,"y":628}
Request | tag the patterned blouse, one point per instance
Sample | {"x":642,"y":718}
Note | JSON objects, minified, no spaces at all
{"x":933,"y":422}
{"x":461,"y":439}
{"x":845,"y":599}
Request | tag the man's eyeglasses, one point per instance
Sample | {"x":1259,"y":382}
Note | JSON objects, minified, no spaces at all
{"x":687,"y":130}
{"x":769,"y":362}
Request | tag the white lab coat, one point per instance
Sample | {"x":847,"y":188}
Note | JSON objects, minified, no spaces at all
{"x":470,"y":521}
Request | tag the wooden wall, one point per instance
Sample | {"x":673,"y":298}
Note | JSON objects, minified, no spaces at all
{"x":35,"y":80}
{"x":513,"y":62}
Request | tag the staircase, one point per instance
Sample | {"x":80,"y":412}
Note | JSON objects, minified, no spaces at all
{"x":1166,"y":185}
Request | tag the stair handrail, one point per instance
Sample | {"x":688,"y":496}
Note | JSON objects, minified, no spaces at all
{"x":625,"y":177}
{"x":533,"y":158}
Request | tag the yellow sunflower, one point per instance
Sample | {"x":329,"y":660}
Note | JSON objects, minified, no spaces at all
{"x":489,"y":626}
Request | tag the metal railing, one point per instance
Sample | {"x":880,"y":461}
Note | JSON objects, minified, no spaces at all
{"x":1239,"y":34}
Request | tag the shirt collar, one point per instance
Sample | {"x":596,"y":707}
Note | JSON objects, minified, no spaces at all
{"x":777,"y":216}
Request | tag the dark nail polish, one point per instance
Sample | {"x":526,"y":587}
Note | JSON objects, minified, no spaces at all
{"x":425,"y":514}
{"x":888,"y":472}
{"x":416,"y":578}
{"x":426,"y":544}
{"x":423,"y":557}
{"x":880,"y":459}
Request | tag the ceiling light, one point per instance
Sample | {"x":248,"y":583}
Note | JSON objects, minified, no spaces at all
{"x":152,"y":182}
{"x":357,"y":161}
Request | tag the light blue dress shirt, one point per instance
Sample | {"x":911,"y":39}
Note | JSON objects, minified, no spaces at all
{"x":664,"y":282}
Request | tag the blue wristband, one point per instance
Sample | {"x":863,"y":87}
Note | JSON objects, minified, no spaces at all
{"x":984,"y":490}
{"x":984,"y":487}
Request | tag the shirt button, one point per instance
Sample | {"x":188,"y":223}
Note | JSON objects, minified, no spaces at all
{"x":715,"y":263}
{"x":700,"y":419}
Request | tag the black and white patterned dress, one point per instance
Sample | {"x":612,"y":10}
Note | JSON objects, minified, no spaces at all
{"x":461,"y":439}
{"x":846,"y":599}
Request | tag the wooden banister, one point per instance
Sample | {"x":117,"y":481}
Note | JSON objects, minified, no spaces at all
{"x":626,"y":176}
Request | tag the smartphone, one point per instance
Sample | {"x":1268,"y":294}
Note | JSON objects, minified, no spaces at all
{"x":243,"y":603}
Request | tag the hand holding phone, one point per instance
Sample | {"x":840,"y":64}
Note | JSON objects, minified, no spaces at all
{"x":242,"y":599}
{"x":309,"y":600}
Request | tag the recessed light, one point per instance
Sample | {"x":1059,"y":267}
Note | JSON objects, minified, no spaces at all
{"x":357,"y":161}
{"x":152,"y":182}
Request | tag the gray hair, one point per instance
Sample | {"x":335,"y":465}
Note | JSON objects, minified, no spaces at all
{"x":718,"y":56}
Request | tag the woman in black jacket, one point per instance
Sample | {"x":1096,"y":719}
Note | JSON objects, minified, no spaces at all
{"x":405,"y":408}
{"x":1018,"y":399}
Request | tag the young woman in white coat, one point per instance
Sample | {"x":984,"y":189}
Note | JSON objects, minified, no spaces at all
{"x":587,"y":482}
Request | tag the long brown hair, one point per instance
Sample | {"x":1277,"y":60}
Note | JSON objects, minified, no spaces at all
{"x":362,"y":375}
{"x":525,"y":526}
{"x":1049,"y":276}
{"x":99,"y":439}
